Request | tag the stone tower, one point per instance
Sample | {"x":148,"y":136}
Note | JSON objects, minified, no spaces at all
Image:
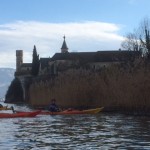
{"x":19,"y":59}
{"x":64,"y":48}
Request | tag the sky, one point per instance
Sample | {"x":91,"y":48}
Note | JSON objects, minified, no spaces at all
{"x":89,"y":25}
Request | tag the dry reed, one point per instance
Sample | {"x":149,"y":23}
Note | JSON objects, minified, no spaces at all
{"x":113,"y":87}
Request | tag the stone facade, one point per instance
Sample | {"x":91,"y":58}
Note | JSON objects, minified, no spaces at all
{"x":19,"y":59}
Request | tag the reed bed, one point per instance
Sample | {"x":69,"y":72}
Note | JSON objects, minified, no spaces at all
{"x":114,"y":88}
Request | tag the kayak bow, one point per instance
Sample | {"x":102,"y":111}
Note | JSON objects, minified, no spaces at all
{"x":21,"y":114}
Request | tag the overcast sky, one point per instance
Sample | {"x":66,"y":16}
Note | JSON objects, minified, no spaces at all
{"x":89,"y":25}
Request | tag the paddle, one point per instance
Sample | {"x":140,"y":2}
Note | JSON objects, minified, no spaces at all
{"x":13,"y":110}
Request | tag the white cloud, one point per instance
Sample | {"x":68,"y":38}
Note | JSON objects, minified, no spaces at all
{"x":82,"y":36}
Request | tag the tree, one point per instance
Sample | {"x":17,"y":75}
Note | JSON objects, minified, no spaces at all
{"x":145,"y":36}
{"x":35,"y":62}
{"x":14,"y":92}
{"x":131,"y":42}
{"x":139,"y":40}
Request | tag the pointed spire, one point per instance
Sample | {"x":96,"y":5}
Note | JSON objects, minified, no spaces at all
{"x":64,"y":37}
{"x":64,"y":47}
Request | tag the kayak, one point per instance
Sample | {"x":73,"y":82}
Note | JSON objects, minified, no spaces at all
{"x":20,"y":114}
{"x":5,"y":108}
{"x":71,"y":112}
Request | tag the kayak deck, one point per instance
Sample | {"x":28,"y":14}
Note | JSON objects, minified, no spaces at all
{"x":69,"y":112}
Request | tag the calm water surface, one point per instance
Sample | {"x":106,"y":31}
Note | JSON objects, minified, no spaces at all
{"x":76,"y":132}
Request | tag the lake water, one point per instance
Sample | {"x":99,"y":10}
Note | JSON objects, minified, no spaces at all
{"x":76,"y":132}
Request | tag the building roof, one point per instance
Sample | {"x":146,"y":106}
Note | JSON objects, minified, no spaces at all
{"x":110,"y":56}
{"x":100,"y":56}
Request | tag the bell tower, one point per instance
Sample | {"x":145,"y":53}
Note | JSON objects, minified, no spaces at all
{"x":19,"y":59}
{"x":64,"y":48}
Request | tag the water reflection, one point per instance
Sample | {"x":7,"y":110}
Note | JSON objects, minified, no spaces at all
{"x":101,"y":131}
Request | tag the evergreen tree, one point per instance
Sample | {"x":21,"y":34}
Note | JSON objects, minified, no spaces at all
{"x":35,"y":62}
{"x":14,"y":92}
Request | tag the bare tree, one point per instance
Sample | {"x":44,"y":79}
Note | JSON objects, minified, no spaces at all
{"x":139,"y":40}
{"x":131,"y":42}
{"x":144,"y":35}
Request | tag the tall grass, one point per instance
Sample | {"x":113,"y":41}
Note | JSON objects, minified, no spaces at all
{"x":113,"y":88}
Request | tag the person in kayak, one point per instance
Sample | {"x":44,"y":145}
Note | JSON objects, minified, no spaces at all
{"x":53,"y":107}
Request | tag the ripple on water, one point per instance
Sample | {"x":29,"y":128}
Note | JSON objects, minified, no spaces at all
{"x":102,"y":131}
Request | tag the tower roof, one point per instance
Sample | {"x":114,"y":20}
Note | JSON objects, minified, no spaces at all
{"x":64,"y":45}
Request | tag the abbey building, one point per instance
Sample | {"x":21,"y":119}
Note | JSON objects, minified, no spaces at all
{"x":67,"y":60}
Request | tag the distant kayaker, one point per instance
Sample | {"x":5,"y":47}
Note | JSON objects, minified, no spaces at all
{"x":53,"y":107}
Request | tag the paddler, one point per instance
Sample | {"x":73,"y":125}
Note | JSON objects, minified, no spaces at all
{"x":53,"y":107}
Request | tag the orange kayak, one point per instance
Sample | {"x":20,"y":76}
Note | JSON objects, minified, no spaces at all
{"x":71,"y":112}
{"x":20,"y":114}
